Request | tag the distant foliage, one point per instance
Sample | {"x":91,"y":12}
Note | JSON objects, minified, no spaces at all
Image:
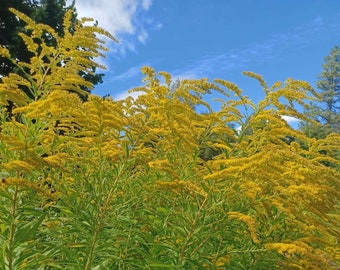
{"x":49,"y":12}
{"x":106,"y":184}
{"x":325,"y":110}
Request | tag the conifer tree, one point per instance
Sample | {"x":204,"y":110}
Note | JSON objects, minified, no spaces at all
{"x":326,"y":109}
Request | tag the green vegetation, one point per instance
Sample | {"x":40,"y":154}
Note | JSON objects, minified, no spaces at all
{"x":325,"y":111}
{"x":105,"y":184}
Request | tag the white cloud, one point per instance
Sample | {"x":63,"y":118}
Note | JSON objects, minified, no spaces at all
{"x":238,"y":129}
{"x":290,"y":120}
{"x":115,"y":16}
{"x":122,"y":18}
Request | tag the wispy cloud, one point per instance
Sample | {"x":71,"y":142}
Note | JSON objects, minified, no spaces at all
{"x":123,"y":18}
{"x":318,"y":20}
{"x":257,"y":53}
{"x":132,"y":72}
{"x":143,"y":36}
{"x":126,"y":94}
{"x":146,"y":4}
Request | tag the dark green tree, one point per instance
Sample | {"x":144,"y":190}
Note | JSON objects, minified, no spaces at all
{"x":10,"y":26}
{"x":50,"y":12}
{"x":326,"y":109}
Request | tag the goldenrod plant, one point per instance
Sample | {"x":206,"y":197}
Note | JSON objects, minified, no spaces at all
{"x":123,"y":184}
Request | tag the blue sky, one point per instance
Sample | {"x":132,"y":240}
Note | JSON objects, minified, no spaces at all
{"x":278,"y":39}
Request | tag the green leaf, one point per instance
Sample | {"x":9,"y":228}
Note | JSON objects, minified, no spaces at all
{"x":160,"y":265}
{"x":25,"y":232}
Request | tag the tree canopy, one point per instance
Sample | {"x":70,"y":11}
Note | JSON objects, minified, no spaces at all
{"x":326,"y":109}
{"x":122,"y":184}
{"x":49,"y":12}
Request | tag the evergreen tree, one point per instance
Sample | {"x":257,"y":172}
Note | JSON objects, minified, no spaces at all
{"x":326,"y":110}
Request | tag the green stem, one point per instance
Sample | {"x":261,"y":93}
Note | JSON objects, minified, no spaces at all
{"x":12,"y":230}
{"x":100,"y":217}
{"x":192,"y":230}
{"x":94,"y":241}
